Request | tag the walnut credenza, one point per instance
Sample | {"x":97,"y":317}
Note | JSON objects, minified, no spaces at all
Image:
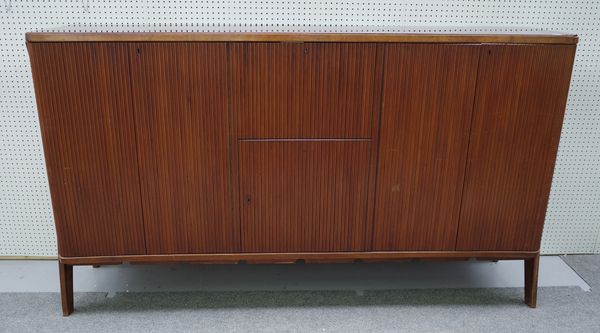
{"x":275,"y":147}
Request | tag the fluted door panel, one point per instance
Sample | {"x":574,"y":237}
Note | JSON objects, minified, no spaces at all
{"x":84,"y":104}
{"x":427,"y":107}
{"x":521,"y":97}
{"x":180,"y":95}
{"x":303,"y":196}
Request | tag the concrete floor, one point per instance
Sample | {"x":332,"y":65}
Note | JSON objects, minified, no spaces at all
{"x":409,"y":297}
{"x":24,"y":276}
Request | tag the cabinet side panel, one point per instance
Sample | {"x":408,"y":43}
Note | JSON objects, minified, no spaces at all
{"x":521,"y":97}
{"x":180,"y":94}
{"x":84,"y":104}
{"x":427,"y":107}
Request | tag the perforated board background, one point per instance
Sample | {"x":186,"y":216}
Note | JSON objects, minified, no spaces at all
{"x":26,"y":224}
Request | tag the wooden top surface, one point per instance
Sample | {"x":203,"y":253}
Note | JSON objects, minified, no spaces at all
{"x":232,"y":33}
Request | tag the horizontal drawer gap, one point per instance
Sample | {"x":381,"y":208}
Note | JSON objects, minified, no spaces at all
{"x":306,"y":139}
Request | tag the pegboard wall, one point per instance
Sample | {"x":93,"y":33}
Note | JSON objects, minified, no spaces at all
{"x":26,"y":224}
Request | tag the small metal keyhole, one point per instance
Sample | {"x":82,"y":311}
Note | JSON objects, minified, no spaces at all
{"x":306,"y":50}
{"x":248,"y":199}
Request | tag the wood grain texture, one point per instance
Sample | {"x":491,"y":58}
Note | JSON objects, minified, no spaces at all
{"x":373,"y":37}
{"x":310,"y":90}
{"x":427,"y":106}
{"x":296,"y":256}
{"x":307,"y":196}
{"x":65,"y":275}
{"x":180,"y":94}
{"x":521,"y":97}
{"x":84,"y":104}
{"x":532,"y":266}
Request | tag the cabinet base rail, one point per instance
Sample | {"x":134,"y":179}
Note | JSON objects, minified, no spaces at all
{"x":65,"y":264}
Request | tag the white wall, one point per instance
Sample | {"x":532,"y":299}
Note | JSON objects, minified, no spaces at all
{"x":26,"y":225}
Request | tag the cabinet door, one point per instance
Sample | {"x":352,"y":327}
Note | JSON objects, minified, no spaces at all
{"x":84,"y":104}
{"x":303,"y":196}
{"x":304,"y":90}
{"x":427,"y":107}
{"x":180,"y":97}
{"x":521,"y":97}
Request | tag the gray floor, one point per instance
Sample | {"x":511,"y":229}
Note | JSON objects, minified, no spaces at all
{"x":283,"y":298}
{"x":24,"y":276}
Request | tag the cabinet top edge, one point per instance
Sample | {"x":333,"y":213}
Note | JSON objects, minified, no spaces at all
{"x":357,"y":37}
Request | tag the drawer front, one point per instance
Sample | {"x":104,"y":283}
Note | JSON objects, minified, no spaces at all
{"x":304,"y":90}
{"x":303,"y":196}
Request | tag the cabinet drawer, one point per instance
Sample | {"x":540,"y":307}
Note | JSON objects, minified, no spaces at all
{"x":304,"y":90}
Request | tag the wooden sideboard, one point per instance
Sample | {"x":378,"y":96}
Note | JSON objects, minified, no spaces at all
{"x":275,"y":147}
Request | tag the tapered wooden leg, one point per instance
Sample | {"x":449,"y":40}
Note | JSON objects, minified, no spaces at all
{"x":531,"y":280}
{"x":66,"y":287}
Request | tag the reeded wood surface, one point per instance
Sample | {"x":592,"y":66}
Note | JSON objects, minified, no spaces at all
{"x":303,"y":195}
{"x":310,"y":90}
{"x":179,"y":195}
{"x":84,"y":104}
{"x":180,"y":95}
{"x":427,"y":106}
{"x":521,"y":97}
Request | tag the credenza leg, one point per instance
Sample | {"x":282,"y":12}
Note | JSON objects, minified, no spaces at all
{"x":66,"y":287}
{"x":531,"y":280}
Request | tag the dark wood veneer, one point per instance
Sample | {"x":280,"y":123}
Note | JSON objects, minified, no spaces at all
{"x":521,"y":98}
{"x":427,"y":103}
{"x":362,"y":35}
{"x":288,"y":257}
{"x":229,"y":148}
{"x":303,"y":196}
{"x":180,"y":102}
{"x":303,"y":90}
{"x":84,"y":104}
{"x":65,"y":275}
